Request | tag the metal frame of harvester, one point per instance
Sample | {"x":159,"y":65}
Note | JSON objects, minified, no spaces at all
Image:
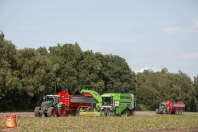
{"x":118,"y":104}
{"x":111,"y":104}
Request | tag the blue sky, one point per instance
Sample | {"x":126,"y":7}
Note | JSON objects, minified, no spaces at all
{"x":149,"y":34}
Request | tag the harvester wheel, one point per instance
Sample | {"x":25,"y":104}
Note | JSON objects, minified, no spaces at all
{"x":61,"y":111}
{"x":36,"y":112}
{"x":51,"y":112}
{"x":131,"y":112}
{"x":107,"y":112}
{"x":127,"y":112}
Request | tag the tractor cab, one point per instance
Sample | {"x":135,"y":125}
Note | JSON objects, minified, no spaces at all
{"x":162,"y":108}
{"x":53,"y":98}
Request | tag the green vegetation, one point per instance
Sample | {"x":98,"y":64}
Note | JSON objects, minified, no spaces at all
{"x":27,"y":74}
{"x":108,"y":124}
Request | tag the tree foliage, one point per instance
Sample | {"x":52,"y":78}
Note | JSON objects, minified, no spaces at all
{"x":29,"y":73}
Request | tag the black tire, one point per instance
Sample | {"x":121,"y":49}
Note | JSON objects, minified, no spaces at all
{"x":127,"y":112}
{"x":61,"y":111}
{"x":51,"y":112}
{"x":156,"y":111}
{"x":37,"y":113}
{"x":107,"y":112}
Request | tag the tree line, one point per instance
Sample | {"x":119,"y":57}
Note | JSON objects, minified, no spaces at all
{"x":27,"y":74}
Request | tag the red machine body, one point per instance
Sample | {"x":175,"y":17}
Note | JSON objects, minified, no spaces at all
{"x":73,"y":102}
{"x":175,"y":108}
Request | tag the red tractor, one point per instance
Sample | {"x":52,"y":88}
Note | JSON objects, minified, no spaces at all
{"x":168,"y":107}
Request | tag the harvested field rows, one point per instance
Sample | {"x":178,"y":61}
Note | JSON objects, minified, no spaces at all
{"x":142,"y":121}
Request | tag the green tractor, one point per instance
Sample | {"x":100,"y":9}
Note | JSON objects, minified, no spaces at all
{"x":51,"y":106}
{"x":114,"y":104}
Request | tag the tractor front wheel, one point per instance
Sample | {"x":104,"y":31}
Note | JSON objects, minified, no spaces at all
{"x":36,"y":112}
{"x":157,"y":111}
{"x":51,"y":112}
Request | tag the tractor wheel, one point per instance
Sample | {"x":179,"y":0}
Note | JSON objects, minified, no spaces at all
{"x":51,"y":112}
{"x":156,"y":111}
{"x":107,"y":112}
{"x":36,"y":112}
{"x":164,"y":111}
{"x":61,"y":111}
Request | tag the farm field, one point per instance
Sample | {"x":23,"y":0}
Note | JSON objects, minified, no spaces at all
{"x":140,"y":122}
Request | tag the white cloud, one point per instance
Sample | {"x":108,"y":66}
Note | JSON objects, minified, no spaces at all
{"x":146,"y":68}
{"x":171,"y":30}
{"x":190,"y":56}
{"x":196,"y":24}
{"x":174,"y":30}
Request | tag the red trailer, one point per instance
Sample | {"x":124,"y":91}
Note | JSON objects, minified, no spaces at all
{"x":169,"y":107}
{"x":73,"y":102}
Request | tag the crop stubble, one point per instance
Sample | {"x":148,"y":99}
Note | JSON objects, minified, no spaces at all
{"x":141,"y":121}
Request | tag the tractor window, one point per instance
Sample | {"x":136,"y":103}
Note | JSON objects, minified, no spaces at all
{"x":50,"y":99}
{"x":57,"y":99}
{"x":106,"y":101}
{"x":162,"y":106}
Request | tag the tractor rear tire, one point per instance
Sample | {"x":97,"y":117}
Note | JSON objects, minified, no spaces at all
{"x":61,"y":111}
{"x":36,"y":112}
{"x":51,"y":112}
